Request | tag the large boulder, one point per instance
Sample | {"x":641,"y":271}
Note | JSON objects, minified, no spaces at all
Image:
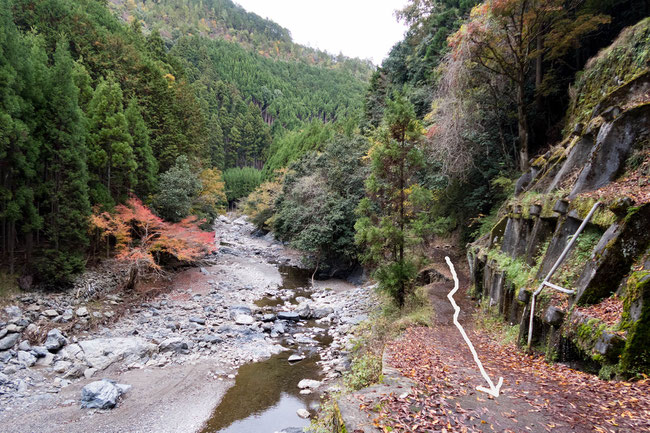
{"x":102,"y":352}
{"x":55,"y":340}
{"x":614,"y":142}
{"x":102,"y":394}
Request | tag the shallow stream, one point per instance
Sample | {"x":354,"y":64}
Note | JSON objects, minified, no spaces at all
{"x":266,"y":397}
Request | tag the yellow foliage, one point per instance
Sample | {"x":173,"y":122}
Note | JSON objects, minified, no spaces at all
{"x":213,"y":190}
{"x":170,"y":79}
{"x":259,"y":205}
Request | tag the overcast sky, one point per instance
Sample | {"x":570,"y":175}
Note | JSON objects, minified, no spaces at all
{"x":357,"y":28}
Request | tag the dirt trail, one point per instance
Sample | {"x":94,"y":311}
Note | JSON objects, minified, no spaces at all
{"x":535,"y":396}
{"x":488,"y":414}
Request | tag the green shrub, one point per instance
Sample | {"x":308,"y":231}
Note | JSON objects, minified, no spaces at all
{"x":364,"y":371}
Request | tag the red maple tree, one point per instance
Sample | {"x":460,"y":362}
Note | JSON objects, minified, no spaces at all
{"x":142,"y":239}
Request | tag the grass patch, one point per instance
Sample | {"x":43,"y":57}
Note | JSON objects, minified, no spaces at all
{"x":8,"y":286}
{"x":570,"y":270}
{"x":364,"y":371}
{"x":517,"y":271}
{"x":489,"y":320}
{"x":327,"y":415}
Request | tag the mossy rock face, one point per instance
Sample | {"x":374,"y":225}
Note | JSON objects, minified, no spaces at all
{"x":602,"y":217}
{"x":621,"y":244}
{"x":636,"y":355}
{"x":496,"y":234}
{"x":613,"y":145}
{"x":610,"y":73}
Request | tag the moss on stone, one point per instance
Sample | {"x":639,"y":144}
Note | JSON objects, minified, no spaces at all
{"x":603,"y":217}
{"x":626,"y":59}
{"x":636,"y":355}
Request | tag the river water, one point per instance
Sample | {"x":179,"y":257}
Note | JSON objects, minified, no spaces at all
{"x":266,"y":397}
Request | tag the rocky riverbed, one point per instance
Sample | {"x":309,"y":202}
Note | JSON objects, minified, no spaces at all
{"x":180,"y":350}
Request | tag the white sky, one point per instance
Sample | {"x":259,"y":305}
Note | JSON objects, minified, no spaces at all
{"x":357,"y":28}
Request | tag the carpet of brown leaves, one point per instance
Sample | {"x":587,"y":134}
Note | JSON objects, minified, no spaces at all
{"x":635,"y":185}
{"x":608,"y":311}
{"x":536,"y":396}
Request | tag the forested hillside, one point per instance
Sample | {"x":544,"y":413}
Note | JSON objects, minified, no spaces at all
{"x":96,"y":110}
{"x":225,"y":20}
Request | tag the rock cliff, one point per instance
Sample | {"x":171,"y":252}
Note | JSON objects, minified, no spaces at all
{"x":604,"y":322}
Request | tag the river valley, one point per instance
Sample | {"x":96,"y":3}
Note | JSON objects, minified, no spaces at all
{"x":222,"y":350}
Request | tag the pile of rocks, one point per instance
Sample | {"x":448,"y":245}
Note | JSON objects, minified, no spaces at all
{"x":221,"y":323}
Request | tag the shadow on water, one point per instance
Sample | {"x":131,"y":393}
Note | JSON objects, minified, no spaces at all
{"x":266,"y":396}
{"x":293,"y":278}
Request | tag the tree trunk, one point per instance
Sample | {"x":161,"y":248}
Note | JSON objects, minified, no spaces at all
{"x":133,"y":278}
{"x":402,"y":199}
{"x":538,"y":74}
{"x":522,"y":125}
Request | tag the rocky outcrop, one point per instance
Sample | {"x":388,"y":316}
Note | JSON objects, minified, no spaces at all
{"x":592,"y":164}
{"x":102,"y":352}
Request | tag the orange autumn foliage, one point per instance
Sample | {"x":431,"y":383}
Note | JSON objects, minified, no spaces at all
{"x":141,"y":237}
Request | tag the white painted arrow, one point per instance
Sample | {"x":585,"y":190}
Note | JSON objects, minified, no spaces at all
{"x":492,"y":390}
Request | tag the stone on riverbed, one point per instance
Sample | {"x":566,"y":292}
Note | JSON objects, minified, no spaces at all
{"x":198,"y":320}
{"x":26,"y":358}
{"x":174,"y":344}
{"x":238,"y":310}
{"x":308,"y":383}
{"x":289,"y":315}
{"x":55,"y":340}
{"x":212,"y":339}
{"x":296,"y":358}
{"x":320,"y":313}
{"x":244,"y":319}
{"x":102,"y":352}
{"x":102,"y":394}
{"x":303,"y":413}
{"x":9,"y":341}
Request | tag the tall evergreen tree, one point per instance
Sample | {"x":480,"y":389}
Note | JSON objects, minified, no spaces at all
{"x":384,"y":222}
{"x":65,"y":202}
{"x":216,"y":143}
{"x":18,"y":148}
{"x":111,"y":158}
{"x":147,"y":164}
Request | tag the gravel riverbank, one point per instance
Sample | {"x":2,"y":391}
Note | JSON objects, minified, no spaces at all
{"x":179,"y":350}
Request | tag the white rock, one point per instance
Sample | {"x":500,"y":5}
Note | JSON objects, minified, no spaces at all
{"x":26,"y":358}
{"x":61,"y":366}
{"x":45,"y":361}
{"x":244,"y":319}
{"x":102,"y":352}
{"x":308,"y":383}
{"x":51,"y":313}
{"x":102,"y":394}
{"x":303,"y":413}
{"x":82,"y":311}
